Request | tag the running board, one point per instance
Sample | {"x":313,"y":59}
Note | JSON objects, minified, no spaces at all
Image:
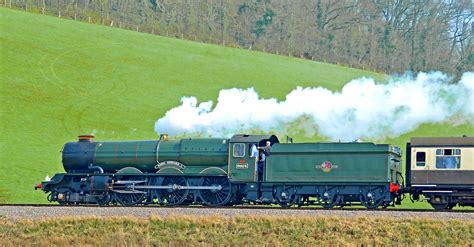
{"x":128,"y":182}
{"x":178,"y":187}
{"x":165,"y":187}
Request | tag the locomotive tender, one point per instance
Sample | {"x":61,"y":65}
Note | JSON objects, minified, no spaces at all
{"x":218,"y":171}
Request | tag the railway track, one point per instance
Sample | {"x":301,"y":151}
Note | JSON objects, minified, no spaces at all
{"x":247,"y":207}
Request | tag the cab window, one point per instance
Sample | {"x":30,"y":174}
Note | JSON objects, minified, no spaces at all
{"x":448,"y":158}
{"x":239,"y":150}
{"x":420,"y":158}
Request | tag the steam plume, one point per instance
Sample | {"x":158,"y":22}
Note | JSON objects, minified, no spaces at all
{"x":362,"y":109}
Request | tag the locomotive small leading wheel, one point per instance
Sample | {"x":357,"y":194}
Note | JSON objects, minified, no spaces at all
{"x":216,"y":197}
{"x":104,"y":199}
{"x":62,"y":195}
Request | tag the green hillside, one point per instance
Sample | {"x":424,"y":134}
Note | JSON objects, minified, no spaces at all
{"x":61,"y":78}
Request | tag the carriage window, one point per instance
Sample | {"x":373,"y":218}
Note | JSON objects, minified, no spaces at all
{"x":420,"y":158}
{"x":239,"y":150}
{"x":448,"y":158}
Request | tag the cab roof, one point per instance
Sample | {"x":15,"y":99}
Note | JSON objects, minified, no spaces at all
{"x":254,"y":138}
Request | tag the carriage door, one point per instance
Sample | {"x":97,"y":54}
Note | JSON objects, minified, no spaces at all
{"x":242,"y":167}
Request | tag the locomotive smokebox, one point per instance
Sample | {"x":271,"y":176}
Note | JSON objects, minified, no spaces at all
{"x":78,"y":156}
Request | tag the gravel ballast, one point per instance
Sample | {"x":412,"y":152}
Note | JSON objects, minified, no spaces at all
{"x":33,"y":212}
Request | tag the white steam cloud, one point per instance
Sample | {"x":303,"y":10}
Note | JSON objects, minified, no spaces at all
{"x":362,"y":109}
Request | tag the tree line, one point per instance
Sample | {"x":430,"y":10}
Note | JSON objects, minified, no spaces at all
{"x":389,"y":36}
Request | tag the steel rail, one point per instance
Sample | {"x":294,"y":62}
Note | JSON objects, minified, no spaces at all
{"x":270,"y":207}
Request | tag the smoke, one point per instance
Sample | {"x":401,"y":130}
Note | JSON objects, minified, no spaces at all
{"x":362,"y":109}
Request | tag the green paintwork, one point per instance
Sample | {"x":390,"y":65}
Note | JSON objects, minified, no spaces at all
{"x":118,"y":155}
{"x":242,"y":169}
{"x":189,"y":156}
{"x":351,"y":163}
{"x":195,"y":151}
{"x":195,"y":154}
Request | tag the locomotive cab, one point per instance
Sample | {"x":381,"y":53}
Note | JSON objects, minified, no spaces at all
{"x":242,"y":163}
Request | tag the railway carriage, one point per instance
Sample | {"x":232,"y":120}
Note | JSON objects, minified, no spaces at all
{"x":441,"y":170}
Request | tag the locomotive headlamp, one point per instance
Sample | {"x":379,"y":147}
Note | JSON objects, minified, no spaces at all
{"x":164,"y":137}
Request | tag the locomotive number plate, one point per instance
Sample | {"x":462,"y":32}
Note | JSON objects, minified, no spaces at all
{"x":242,"y":166}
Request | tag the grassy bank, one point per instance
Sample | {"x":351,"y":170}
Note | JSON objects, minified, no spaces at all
{"x":224,"y":231}
{"x":61,"y":78}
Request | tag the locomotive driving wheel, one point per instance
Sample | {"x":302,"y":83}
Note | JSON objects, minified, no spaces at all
{"x":154,"y":194}
{"x":174,"y":195}
{"x":128,"y":196}
{"x":129,"y":199}
{"x":216,"y":197}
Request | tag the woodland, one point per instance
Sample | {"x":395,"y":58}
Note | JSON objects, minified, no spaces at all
{"x":386,"y":36}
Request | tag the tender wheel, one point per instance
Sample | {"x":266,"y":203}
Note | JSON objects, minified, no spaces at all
{"x":173,"y":196}
{"x":372,"y":197}
{"x":285,"y":204}
{"x":330,"y":200}
{"x":385,"y":205}
{"x":370,"y":201}
{"x":216,"y":197}
{"x":289,"y":199}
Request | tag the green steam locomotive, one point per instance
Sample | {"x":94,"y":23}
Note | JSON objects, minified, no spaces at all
{"x":218,"y":171}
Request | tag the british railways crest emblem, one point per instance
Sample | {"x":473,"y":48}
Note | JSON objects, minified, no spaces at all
{"x":327,"y":166}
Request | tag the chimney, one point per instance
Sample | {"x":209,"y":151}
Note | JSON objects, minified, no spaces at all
{"x":86,"y":138}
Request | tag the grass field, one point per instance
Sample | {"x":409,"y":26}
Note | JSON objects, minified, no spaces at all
{"x":61,"y":78}
{"x":224,"y":231}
